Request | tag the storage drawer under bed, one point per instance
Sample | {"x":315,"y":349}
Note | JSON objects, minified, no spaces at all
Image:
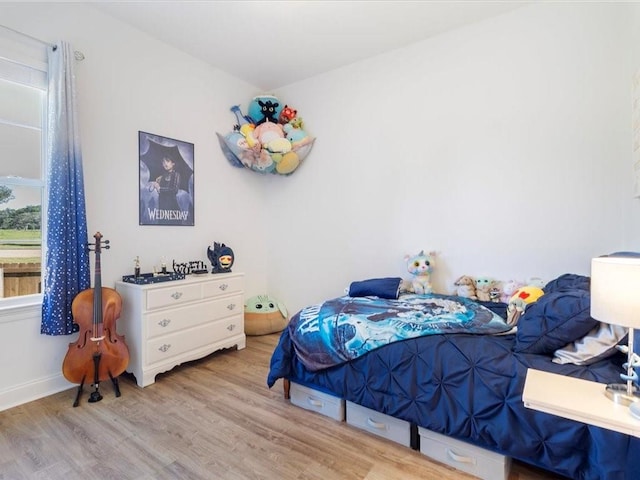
{"x":320,"y":402}
{"x":391,"y":428}
{"x":469,"y":458}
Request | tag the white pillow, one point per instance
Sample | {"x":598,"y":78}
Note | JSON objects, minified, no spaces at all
{"x":596,"y":345}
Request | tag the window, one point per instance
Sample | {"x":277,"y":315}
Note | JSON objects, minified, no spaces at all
{"x":23,"y":98}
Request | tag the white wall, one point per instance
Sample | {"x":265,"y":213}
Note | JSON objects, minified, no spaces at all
{"x":504,"y":146}
{"x":633,"y":223}
{"x":127,"y":83}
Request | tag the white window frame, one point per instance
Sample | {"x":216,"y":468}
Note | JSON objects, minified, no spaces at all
{"x":24,"y":61}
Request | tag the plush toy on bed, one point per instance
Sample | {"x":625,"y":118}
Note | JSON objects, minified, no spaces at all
{"x":420,"y":266}
{"x":483,"y":288}
{"x":521,"y":299}
{"x":509,"y":287}
{"x":465,"y":287}
{"x":494,"y":291}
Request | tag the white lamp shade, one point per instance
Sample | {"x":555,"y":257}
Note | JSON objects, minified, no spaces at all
{"x":615,"y":290}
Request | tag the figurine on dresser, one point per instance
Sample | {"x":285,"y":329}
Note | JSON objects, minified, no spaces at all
{"x":221,"y":258}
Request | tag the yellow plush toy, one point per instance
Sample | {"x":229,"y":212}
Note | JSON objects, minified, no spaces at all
{"x":519,"y":301}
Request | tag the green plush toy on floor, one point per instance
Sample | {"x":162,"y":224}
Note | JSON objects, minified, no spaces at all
{"x":263,"y":315}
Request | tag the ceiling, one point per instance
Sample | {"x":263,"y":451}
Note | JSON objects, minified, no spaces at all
{"x":270,"y":44}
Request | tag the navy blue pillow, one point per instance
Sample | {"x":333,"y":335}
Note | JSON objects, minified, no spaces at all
{"x":556,"y":319}
{"x":568,"y":281}
{"x":376,"y":287}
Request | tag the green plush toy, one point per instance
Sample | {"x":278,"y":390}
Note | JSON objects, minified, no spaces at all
{"x":264,"y":314}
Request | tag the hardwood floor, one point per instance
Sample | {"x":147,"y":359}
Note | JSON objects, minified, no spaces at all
{"x":213,"y":418}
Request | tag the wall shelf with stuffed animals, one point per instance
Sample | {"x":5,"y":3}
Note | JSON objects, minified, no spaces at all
{"x":270,"y":138}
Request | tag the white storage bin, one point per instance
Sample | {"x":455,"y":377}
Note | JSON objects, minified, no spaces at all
{"x":321,"y":402}
{"x":464,"y":456}
{"x":378,"y":423}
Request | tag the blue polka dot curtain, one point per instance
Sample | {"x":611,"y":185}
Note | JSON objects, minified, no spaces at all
{"x":67,"y":270}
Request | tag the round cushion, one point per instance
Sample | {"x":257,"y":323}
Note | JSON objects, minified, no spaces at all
{"x":264,"y":323}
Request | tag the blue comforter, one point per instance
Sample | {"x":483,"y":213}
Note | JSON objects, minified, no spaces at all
{"x":346,"y":328}
{"x":470,"y":387}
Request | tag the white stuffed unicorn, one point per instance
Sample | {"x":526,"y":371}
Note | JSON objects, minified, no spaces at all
{"x":420,"y":266}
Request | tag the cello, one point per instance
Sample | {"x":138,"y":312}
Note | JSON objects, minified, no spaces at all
{"x":99,"y":353}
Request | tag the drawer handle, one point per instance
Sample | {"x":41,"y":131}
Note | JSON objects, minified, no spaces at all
{"x":380,"y":426}
{"x":164,"y":322}
{"x":223,"y":286}
{"x":314,"y":402}
{"x":460,"y":458}
{"x":176,"y":295}
{"x":164,"y":347}
{"x":231,"y":306}
{"x":231,"y":327}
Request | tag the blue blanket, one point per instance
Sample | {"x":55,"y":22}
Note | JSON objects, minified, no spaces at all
{"x":345,"y":328}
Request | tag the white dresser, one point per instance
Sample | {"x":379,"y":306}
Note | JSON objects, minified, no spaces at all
{"x":168,"y":323}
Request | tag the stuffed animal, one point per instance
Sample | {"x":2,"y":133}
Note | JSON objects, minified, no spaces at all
{"x":521,"y":299}
{"x":297,"y":122}
{"x":483,"y":288}
{"x":241,"y":117}
{"x":221,"y":258}
{"x":247,"y":131}
{"x":264,"y":314}
{"x":278,"y":145}
{"x":296,"y":136}
{"x":287,"y":163}
{"x":287,"y":114}
{"x":259,"y":140}
{"x":268,"y":131}
{"x":264,"y":108}
{"x":494,"y":291}
{"x":465,"y":286}
{"x":420,"y":267}
{"x":509,"y":287}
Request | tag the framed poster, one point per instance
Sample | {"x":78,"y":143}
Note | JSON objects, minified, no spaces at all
{"x":166,"y":180}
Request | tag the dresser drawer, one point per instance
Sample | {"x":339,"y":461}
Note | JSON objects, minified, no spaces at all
{"x":178,"y":293}
{"x":378,"y":423}
{"x":170,"y":320}
{"x":469,"y":458}
{"x":167,"y":346}
{"x":221,"y":286}
{"x":320,"y":402}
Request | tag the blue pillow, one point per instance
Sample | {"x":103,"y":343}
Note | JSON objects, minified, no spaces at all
{"x":568,"y":281}
{"x":556,"y":319}
{"x":376,"y":287}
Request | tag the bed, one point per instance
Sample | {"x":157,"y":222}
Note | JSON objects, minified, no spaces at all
{"x":467,"y":386}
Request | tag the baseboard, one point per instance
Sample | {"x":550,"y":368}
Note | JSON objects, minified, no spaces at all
{"x":31,"y":391}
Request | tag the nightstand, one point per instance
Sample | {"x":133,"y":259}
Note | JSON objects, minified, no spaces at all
{"x":576,"y":399}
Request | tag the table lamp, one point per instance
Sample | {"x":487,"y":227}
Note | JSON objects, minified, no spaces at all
{"x":615,"y":299}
